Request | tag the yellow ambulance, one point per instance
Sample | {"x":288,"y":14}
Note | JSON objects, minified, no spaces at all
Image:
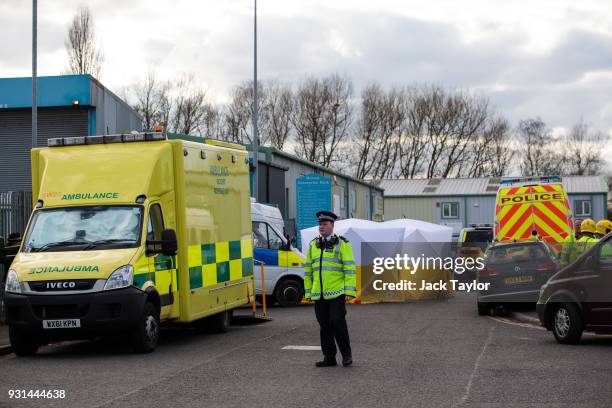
{"x":129,"y":231}
{"x":531,"y":208}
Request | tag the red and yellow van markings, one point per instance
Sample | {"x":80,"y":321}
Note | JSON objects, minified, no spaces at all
{"x":520,"y":210}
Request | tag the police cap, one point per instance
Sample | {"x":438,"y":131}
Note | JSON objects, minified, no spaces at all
{"x":326,"y":216}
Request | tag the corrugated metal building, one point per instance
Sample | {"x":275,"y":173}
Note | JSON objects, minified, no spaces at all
{"x":68,"y":105}
{"x":279,"y":171}
{"x":461,"y":202}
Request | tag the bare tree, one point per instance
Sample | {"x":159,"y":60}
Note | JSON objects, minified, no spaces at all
{"x":379,"y":130}
{"x":322,"y":117}
{"x":189,"y":103}
{"x":151,"y":100}
{"x":583,"y":150}
{"x":239,"y":114}
{"x":212,"y":121}
{"x":540,"y":157}
{"x":493,"y":152}
{"x":413,"y":139}
{"x":445,"y":133}
{"x":84,"y":56}
{"x":279,"y":108}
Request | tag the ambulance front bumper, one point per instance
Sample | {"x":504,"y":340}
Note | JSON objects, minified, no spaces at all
{"x":100,"y":313}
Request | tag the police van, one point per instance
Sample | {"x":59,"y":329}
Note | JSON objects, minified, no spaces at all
{"x":129,"y":231}
{"x":531,"y":208}
{"x":283,"y":263}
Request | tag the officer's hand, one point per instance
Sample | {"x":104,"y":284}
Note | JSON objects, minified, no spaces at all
{"x":349,"y":297}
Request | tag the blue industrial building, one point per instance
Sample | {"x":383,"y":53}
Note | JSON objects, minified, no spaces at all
{"x":68,"y":105}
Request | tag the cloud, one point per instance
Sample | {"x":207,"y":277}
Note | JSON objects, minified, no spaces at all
{"x":551,"y":58}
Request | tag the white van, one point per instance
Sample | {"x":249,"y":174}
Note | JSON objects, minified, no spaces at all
{"x":284,"y":264}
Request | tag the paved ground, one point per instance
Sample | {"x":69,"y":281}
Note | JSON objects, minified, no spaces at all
{"x":4,"y":338}
{"x":429,"y":354}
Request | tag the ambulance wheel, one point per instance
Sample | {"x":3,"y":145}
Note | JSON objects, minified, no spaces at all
{"x":289,"y":292}
{"x":483,"y":309}
{"x":567,"y":323}
{"x":22,"y":344}
{"x":146,"y":335}
{"x":220,"y":322}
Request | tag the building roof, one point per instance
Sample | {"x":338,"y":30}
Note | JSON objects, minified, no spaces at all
{"x":271,"y":151}
{"x":53,"y":91}
{"x":479,"y":186}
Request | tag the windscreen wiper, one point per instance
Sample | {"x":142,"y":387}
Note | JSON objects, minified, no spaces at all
{"x":94,"y":244}
{"x":56,"y":244}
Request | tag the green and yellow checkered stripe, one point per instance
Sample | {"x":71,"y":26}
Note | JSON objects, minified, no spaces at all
{"x":218,"y":262}
{"x":156,"y":272}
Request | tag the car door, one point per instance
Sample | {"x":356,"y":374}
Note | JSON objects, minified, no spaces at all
{"x":600,"y":293}
{"x":266,"y":245}
{"x":161,"y":266}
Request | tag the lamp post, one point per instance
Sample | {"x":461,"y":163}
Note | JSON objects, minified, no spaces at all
{"x":255,"y":108}
{"x":34,"y":101}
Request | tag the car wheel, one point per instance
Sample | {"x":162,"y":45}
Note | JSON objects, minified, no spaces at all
{"x":22,"y":344}
{"x":484,"y":309}
{"x":289,"y":292}
{"x":220,"y":322}
{"x":567,"y":323}
{"x":146,"y":334}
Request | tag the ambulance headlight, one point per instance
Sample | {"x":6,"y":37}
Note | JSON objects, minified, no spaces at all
{"x":12,"y":282}
{"x":121,"y":278}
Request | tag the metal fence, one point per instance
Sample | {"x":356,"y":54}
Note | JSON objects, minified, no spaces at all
{"x":15,"y":210}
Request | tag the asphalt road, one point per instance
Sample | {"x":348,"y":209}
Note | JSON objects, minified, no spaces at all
{"x":428,"y":354}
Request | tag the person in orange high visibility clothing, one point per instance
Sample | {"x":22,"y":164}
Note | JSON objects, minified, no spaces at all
{"x":329,"y":279}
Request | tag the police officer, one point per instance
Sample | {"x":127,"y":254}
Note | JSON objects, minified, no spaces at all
{"x":329,"y":279}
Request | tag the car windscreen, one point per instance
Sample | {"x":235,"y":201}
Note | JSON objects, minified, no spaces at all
{"x":82,"y":228}
{"x":478,"y":236}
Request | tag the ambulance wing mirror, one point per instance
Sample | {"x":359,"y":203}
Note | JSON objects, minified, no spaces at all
{"x":169,"y":243}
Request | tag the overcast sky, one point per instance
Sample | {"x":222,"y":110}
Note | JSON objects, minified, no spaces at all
{"x":548,"y":58}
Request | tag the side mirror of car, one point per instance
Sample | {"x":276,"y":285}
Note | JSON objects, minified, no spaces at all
{"x":169,"y":242}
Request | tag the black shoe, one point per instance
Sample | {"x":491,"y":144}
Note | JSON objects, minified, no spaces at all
{"x":326,"y":362}
{"x":347,"y":361}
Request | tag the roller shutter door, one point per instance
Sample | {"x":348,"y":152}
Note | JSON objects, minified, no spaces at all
{"x":16,"y":136}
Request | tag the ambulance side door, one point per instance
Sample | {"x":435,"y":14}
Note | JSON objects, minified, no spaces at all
{"x":161,"y":266}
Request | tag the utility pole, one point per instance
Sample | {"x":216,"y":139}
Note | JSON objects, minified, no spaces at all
{"x":255,"y":108}
{"x":34,"y":74}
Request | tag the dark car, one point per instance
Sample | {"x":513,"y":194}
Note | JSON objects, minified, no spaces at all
{"x":579,"y":296}
{"x":515,"y":272}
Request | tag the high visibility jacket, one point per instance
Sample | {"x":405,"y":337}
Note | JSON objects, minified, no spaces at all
{"x":585,"y":243}
{"x":329,"y":272}
{"x":569,"y":251}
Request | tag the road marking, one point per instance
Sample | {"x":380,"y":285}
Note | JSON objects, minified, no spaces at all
{"x":515,"y":323}
{"x":303,"y":348}
{"x":468,"y":387}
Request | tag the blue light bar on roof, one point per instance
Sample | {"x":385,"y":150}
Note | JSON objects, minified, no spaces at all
{"x":533,"y":179}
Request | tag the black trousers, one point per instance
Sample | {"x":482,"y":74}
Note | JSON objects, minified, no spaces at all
{"x":331,"y":317}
